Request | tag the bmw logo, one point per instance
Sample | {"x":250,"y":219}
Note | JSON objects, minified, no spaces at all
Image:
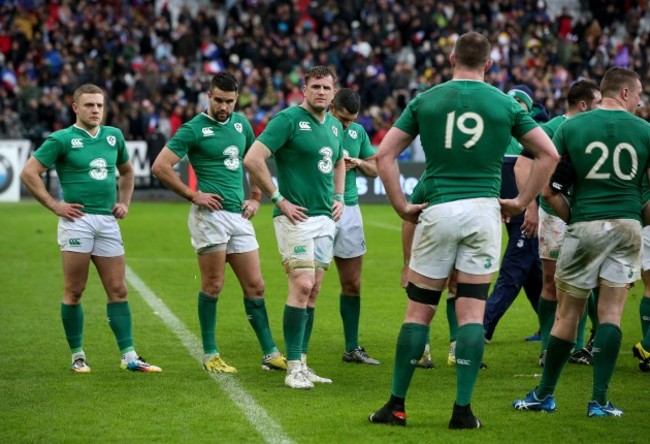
{"x":6,"y":174}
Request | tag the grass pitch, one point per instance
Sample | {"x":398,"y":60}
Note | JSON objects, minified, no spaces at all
{"x":42,"y":401}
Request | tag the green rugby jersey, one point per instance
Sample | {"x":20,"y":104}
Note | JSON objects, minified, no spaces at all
{"x":550,"y":128}
{"x":610,"y":151}
{"x":216,"y":151}
{"x":465,"y":127}
{"x":86,"y":165}
{"x":417,"y":197}
{"x":355,"y":144}
{"x":305,"y":151}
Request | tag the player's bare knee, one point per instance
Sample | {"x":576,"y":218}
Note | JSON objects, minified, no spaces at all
{"x":74,"y":292}
{"x":116,"y":293}
{"x":254,"y":288}
{"x":351,"y":288}
{"x":213,"y":288}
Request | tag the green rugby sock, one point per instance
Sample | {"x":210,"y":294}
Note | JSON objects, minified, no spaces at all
{"x":119,"y":318}
{"x":546,"y":314}
{"x":309,"y":326}
{"x":207,"y":306}
{"x":644,"y":314}
{"x":557,"y":355}
{"x":469,"y":355}
{"x":607,"y":344}
{"x":293,"y":326}
{"x":350,"y":309}
{"x":580,"y":339}
{"x":409,"y":349}
{"x":72,"y":317}
{"x":256,"y":314}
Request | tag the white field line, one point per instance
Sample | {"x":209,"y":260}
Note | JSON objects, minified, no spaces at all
{"x":268,"y":429}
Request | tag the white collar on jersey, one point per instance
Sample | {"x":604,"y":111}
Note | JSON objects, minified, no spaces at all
{"x":216,"y":121}
{"x":99,"y":129}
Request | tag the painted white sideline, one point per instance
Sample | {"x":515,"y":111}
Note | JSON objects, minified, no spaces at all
{"x":268,"y":429}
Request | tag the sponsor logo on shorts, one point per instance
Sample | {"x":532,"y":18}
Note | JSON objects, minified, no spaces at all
{"x":488,"y":263}
{"x":207,"y":131}
{"x":304,"y":126}
{"x":74,"y":242}
{"x":111,"y":140}
{"x":300,"y":249}
{"x":77,"y":143}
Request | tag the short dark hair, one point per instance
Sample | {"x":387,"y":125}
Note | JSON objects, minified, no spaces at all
{"x":319,"y":72}
{"x":225,"y":81}
{"x":582,"y":90}
{"x":616,"y":78}
{"x":472,"y":50}
{"x":86,"y":88}
{"x":348,"y":99}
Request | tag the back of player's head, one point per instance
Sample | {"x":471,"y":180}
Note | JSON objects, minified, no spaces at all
{"x":582,"y":91}
{"x":319,"y":72}
{"x":225,"y":81}
{"x":347,"y":99}
{"x":472,"y":50}
{"x":617,"y":78}
{"x":87,"y":88}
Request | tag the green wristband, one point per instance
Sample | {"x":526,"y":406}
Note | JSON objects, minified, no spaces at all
{"x":338,"y":196}
{"x":276,"y":197}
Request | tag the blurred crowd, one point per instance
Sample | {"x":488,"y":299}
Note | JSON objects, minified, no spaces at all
{"x":155,"y":62}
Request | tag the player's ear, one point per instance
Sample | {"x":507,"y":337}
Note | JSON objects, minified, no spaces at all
{"x":488,"y":65}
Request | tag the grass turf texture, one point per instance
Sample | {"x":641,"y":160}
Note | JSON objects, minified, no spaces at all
{"x":43,"y":401}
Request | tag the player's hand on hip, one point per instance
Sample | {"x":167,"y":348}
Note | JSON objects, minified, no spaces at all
{"x":120,"y":210}
{"x":250,"y":208}
{"x":337,"y":210}
{"x":70,"y":211}
{"x":293,"y":212}
{"x":509,"y":208}
{"x":411,"y":213}
{"x":210,"y":201}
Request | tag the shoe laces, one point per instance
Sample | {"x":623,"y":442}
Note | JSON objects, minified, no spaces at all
{"x":362,"y":352}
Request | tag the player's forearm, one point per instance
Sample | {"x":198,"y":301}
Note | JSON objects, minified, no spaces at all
{"x":126,"y":184}
{"x":36,"y":187}
{"x":558,"y":203}
{"x":543,"y":167}
{"x":389,"y":174}
{"x":368,"y":167}
{"x":168,"y":177}
{"x":522,"y":169}
{"x":260,"y":174}
{"x":339,"y":177}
